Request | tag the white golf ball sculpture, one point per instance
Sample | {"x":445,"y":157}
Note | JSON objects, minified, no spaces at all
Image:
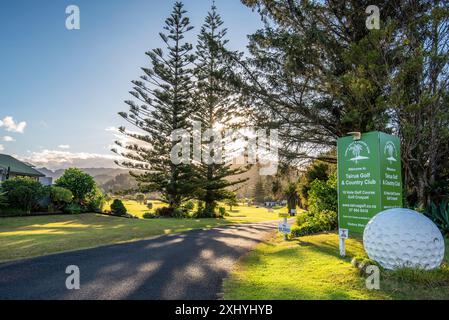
{"x":397,"y":238}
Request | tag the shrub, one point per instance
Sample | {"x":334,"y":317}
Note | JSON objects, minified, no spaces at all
{"x":178,"y":213}
{"x":149,"y":205}
{"x":164,"y":212}
{"x":95,"y":201}
{"x":150,"y":215}
{"x":310,"y":223}
{"x":23,"y":193}
{"x":205,"y":211}
{"x":222,"y":212}
{"x":188,"y":206}
{"x":60,"y":197}
{"x":51,"y":208}
{"x":439,"y":214}
{"x":168,"y":212}
{"x":3,"y":200}
{"x":11,"y":212}
{"x":200,"y":211}
{"x":80,"y":183}
{"x":74,"y":208}
{"x":118,"y":208}
{"x":317,"y":170}
{"x":323,"y":195}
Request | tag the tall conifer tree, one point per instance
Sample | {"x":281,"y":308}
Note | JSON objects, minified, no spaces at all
{"x":163,"y":105}
{"x":215,"y":105}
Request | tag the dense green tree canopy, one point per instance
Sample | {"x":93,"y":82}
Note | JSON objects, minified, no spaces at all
{"x":316,"y":72}
{"x":78,"y":182}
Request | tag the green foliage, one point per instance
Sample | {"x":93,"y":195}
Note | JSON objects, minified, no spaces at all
{"x":309,"y":223}
{"x":59,"y":194}
{"x":221,"y":212}
{"x":163,"y":105}
{"x":78,"y":182}
{"x":60,"y":197}
{"x":214,"y":104}
{"x":317,"y":170}
{"x":428,"y":278}
{"x":165,"y":212}
{"x":23,"y":193}
{"x":74,"y":208}
{"x":200,"y":211}
{"x":316,"y":63}
{"x":95,"y":200}
{"x":188,"y":206}
{"x":179,"y":213}
{"x":149,"y":205}
{"x":11,"y":212}
{"x":118,"y":208}
{"x":231,"y":202}
{"x":291,"y":194}
{"x":168,"y":212}
{"x":3,"y":200}
{"x":323,"y":195}
{"x":150,"y":215}
{"x":439,"y":214}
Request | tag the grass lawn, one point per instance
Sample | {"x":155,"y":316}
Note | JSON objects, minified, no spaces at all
{"x":23,"y":237}
{"x":238,"y":214}
{"x":311,"y":268}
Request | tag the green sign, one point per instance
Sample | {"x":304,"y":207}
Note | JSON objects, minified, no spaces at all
{"x":369,"y":178}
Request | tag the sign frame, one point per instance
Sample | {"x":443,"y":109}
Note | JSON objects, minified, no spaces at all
{"x":369,"y":178}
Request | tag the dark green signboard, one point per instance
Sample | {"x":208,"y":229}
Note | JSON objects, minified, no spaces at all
{"x":369,"y":178}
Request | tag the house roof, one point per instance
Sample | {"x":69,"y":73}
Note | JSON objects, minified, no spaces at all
{"x":18,"y":167}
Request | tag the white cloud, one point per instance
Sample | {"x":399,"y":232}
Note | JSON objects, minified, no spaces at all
{"x":7,"y":139}
{"x":11,"y":126}
{"x":64,"y":146}
{"x":124,"y":139}
{"x":56,"y":159}
{"x":2,"y":147}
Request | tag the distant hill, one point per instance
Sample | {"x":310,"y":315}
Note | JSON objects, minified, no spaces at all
{"x":102,"y":176}
{"x":113,"y":179}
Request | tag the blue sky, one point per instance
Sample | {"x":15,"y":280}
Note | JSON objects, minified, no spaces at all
{"x":61,"y":89}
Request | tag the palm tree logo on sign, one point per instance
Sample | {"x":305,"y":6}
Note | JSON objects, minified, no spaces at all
{"x":359,"y":151}
{"x":390,"y":152}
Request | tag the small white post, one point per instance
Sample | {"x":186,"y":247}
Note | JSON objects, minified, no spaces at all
{"x":342,"y":247}
{"x":343,"y":234}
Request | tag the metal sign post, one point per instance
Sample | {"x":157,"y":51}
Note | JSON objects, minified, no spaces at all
{"x":343,"y":234}
{"x":284,"y":227}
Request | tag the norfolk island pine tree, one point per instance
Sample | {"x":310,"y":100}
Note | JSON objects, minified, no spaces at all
{"x":164,"y":103}
{"x":215,"y":104}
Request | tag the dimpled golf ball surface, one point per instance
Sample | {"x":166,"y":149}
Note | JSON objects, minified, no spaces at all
{"x":397,"y":238}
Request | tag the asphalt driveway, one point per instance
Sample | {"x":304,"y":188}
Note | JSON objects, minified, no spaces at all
{"x":190,"y":265}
